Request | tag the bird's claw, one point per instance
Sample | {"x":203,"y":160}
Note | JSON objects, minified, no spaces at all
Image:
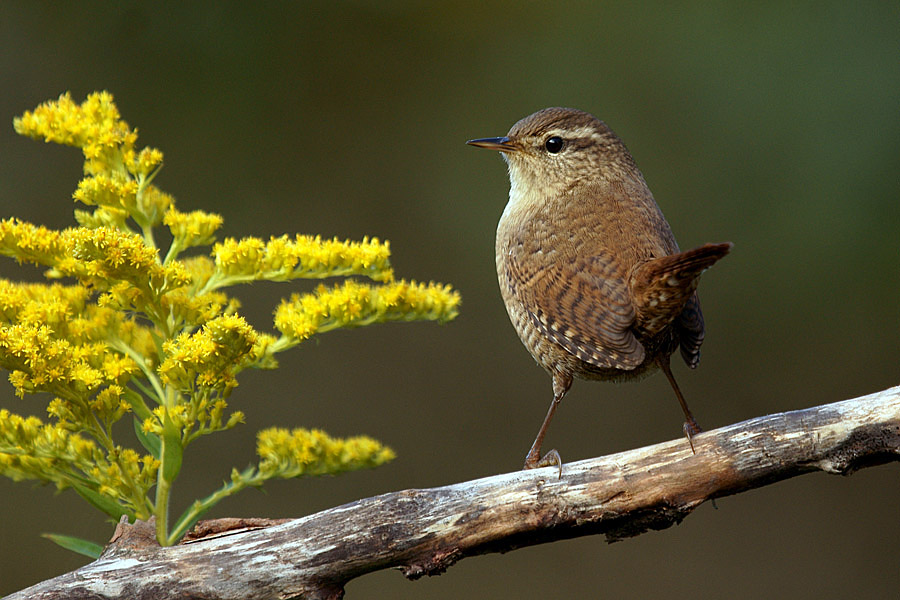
{"x":550,"y":459}
{"x":691,"y":428}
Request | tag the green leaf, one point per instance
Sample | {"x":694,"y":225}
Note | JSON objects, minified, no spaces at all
{"x":136,"y":400}
{"x":85,"y":547}
{"x":104,"y":503}
{"x":150,"y":441}
{"x":171,"y":452}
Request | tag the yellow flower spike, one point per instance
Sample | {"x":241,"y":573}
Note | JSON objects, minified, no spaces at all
{"x":282,"y":259}
{"x":103,"y":216}
{"x":60,"y":121}
{"x":95,"y":126}
{"x":196,"y":228}
{"x":116,"y":192}
{"x":40,"y":362}
{"x":144,"y":163}
{"x":287,"y":454}
{"x":209,"y":357}
{"x":26,"y":242}
{"x":29,"y":449}
{"x":107,"y":256}
{"x":353,"y":304}
{"x":117,"y":253}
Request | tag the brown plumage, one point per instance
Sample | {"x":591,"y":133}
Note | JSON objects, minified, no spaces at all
{"x":591,"y":275}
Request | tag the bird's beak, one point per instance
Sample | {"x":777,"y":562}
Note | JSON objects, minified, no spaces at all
{"x":503,"y":144}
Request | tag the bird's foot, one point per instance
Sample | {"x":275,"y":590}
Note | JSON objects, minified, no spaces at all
{"x":691,"y":428}
{"x":550,"y":459}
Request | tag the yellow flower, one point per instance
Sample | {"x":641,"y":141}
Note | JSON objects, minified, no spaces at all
{"x":282,"y":259}
{"x":101,"y":256}
{"x":26,"y":242}
{"x":299,"y":452}
{"x":144,"y":163}
{"x":65,"y":122}
{"x":102,"y":216}
{"x":30,"y":449}
{"x":95,"y":126}
{"x":152,"y":206}
{"x":146,"y":330}
{"x":114,"y":191}
{"x":209,"y":357}
{"x":354,"y":304}
{"x":196,"y":228}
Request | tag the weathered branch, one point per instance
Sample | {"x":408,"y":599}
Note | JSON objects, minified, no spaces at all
{"x":425,"y":531}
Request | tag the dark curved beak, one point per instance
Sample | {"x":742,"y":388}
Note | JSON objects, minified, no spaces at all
{"x":502,"y":144}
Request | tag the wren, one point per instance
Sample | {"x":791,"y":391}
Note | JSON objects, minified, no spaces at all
{"x":592,"y":278}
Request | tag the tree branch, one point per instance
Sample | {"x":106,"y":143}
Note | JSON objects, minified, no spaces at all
{"x":425,"y":531}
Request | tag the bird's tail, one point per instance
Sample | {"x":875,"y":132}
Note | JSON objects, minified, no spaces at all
{"x":661,"y":287}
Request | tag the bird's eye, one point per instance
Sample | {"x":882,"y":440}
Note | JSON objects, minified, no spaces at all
{"x":553,"y":144}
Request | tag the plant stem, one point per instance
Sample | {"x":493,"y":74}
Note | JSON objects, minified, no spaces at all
{"x":161,"y":512}
{"x":196,"y":510}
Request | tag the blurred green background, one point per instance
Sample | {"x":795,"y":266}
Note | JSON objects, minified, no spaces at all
{"x":773,"y":125}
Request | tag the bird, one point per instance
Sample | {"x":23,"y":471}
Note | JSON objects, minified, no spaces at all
{"x":592,"y":278}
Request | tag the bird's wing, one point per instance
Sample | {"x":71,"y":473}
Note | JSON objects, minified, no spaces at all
{"x":583,"y":305}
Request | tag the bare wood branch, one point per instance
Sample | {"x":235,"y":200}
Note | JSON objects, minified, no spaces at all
{"x":425,"y":531}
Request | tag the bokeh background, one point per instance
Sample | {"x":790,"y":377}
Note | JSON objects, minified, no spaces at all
{"x":772,"y":125}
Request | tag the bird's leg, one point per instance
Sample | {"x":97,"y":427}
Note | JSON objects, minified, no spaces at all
{"x":561,"y":384}
{"x":691,"y":427}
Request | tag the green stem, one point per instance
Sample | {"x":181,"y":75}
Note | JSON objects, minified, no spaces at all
{"x":148,"y":236}
{"x":174,"y":250}
{"x":142,"y":365}
{"x":161,"y":511}
{"x":199,"y":507}
{"x":281,"y":344}
{"x":170,"y":455}
{"x":217,"y":281}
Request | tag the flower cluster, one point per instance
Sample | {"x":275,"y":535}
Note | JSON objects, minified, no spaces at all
{"x":288,"y":454}
{"x":209,"y":357}
{"x":143,"y":331}
{"x":282,"y":258}
{"x":115,"y":481}
{"x":354,"y":304}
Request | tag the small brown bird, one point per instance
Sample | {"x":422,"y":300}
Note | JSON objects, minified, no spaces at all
{"x":591,"y":275}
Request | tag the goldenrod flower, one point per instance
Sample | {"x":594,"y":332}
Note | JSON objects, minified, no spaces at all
{"x":209,"y":357}
{"x":300,"y":452}
{"x":30,"y":243}
{"x":144,"y":330}
{"x":196,"y":228}
{"x":354,"y":304}
{"x":144,"y":162}
{"x":305,"y":256}
{"x":114,"y":191}
{"x":30,"y":449}
{"x":94,"y":122}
